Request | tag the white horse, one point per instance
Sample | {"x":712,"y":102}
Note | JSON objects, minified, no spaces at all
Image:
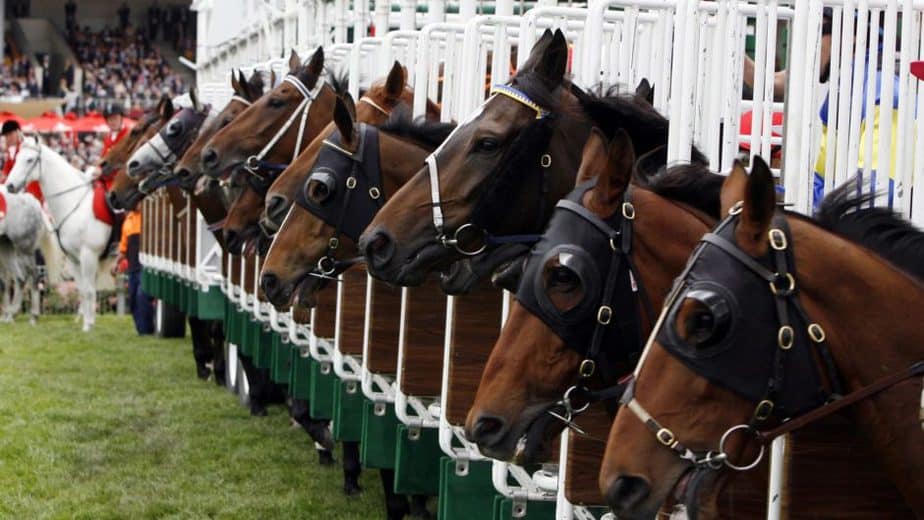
{"x":69,"y":195}
{"x":23,"y":230}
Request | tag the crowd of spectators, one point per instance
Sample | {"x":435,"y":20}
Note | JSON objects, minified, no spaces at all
{"x":120,"y":64}
{"x":82,"y":150}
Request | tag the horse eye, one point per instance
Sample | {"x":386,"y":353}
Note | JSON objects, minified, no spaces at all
{"x":707,"y":319}
{"x":174,"y":128}
{"x":277,"y":103}
{"x":320,"y":187}
{"x":226,"y":121}
{"x":487,"y":145}
{"x":563,"y":287}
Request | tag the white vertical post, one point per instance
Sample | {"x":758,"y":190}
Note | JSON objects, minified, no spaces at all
{"x":360,"y":19}
{"x":467,"y":10}
{"x":436,"y":11}
{"x":503,"y":8}
{"x":779,"y":468}
{"x":408,"y":15}
{"x":884,"y":164}
{"x":382,"y":10}
{"x":904,"y":152}
{"x":340,"y":22}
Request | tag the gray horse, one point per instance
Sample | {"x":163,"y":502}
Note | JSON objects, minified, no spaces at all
{"x":22,"y":231}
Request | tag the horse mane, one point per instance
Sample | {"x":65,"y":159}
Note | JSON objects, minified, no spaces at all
{"x":613,"y":110}
{"x":879,"y":229}
{"x":339,"y":81}
{"x":429,"y":134}
{"x":691,"y":184}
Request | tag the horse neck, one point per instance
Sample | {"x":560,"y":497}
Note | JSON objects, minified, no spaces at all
{"x":399,"y":160}
{"x":664,"y":234}
{"x":869,"y":311}
{"x":56,"y":177}
{"x":320,"y":113}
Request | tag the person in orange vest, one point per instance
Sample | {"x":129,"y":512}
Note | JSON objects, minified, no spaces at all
{"x":12,"y":134}
{"x":140,"y":303}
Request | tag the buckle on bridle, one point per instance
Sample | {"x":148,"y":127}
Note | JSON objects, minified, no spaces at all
{"x":785,"y":337}
{"x":252,"y":164}
{"x":604,"y":315}
{"x":736,"y":209}
{"x":628,"y":211}
{"x":724,"y":438}
{"x":374,"y":192}
{"x":778,"y":239}
{"x":587,"y":368}
{"x":333,"y":243}
{"x":763,"y":410}
{"x":666,"y":437}
{"x":816,"y":333}
{"x":545,"y":161}
{"x":778,"y":290}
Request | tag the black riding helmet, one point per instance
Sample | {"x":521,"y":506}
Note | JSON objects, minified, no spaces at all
{"x":113,"y":109}
{"x":10,"y":126}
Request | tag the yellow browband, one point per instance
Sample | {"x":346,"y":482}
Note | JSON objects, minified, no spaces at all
{"x":516,"y":95}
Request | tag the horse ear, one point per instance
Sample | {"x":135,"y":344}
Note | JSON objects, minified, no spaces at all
{"x":294,"y":62}
{"x":645,"y":91}
{"x":245,"y":88}
{"x":254,"y":85}
{"x":343,"y":120}
{"x":350,"y":105}
{"x":235,"y":81}
{"x":620,"y":161}
{"x":316,"y":65}
{"x":508,"y":277}
{"x":272,"y":78}
{"x":593,"y":157}
{"x":536,"y":54}
{"x":194,"y":96}
{"x":759,"y":207}
{"x":733,"y":187}
{"x":165,"y":109}
{"x":554,"y":60}
{"x":397,"y":80}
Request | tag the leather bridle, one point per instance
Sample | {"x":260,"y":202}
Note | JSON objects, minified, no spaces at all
{"x":255,"y":162}
{"x":781,"y":283}
{"x":454,"y":240}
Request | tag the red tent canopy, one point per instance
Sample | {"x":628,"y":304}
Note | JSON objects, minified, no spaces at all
{"x":47,"y":122}
{"x":6,"y":116}
{"x":93,"y":122}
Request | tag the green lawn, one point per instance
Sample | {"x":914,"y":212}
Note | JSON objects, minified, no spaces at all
{"x":110,"y":425}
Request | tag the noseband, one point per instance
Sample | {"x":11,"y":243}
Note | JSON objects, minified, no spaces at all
{"x":455,"y":239}
{"x":794,"y":386}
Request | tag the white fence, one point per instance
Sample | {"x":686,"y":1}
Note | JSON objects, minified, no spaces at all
{"x":693,"y":51}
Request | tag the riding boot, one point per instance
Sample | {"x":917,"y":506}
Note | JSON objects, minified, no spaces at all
{"x":396,"y":506}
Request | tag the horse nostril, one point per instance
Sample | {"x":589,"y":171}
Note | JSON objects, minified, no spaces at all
{"x":270,"y":284}
{"x":627,"y":493}
{"x":380,"y":249}
{"x":113,"y":200}
{"x":133,"y":165}
{"x":210,"y":158}
{"x":488,"y":430}
{"x":182,"y":172}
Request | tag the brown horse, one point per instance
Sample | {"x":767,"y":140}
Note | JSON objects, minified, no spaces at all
{"x":319,"y":234}
{"x":245,"y":217}
{"x":733,"y":356}
{"x":273,"y":130}
{"x":541,"y":347}
{"x":117,"y":156}
{"x":375,"y":107}
{"x":492,"y":185}
{"x":124,"y":192}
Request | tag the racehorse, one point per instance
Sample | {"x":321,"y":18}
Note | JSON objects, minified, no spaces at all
{"x":492,"y":185}
{"x":759,"y":329}
{"x":22,"y":232}
{"x":354,"y":169}
{"x":375,"y":106}
{"x":272,"y":131}
{"x":69,"y":195}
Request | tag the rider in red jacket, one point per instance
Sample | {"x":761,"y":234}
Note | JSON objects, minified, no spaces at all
{"x":12,"y":134}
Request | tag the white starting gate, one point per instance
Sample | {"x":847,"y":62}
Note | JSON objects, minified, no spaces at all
{"x":692,"y":51}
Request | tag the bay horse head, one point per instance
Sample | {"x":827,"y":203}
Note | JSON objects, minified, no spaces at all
{"x":584,"y":299}
{"x":159,"y":154}
{"x":117,"y":156}
{"x":760,"y":335}
{"x":272,"y":130}
{"x":246,"y":91}
{"x":354,"y":170}
{"x":500,"y":172}
{"x":125,"y":193}
{"x":375,"y":106}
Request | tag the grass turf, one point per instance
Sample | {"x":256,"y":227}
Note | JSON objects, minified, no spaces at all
{"x":110,"y":425}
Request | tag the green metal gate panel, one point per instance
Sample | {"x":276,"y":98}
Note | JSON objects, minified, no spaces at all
{"x":348,"y":411}
{"x":300,"y":375}
{"x":377,"y":449}
{"x":417,"y":460}
{"x":466,"y":490}
{"x":321,"y":396}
